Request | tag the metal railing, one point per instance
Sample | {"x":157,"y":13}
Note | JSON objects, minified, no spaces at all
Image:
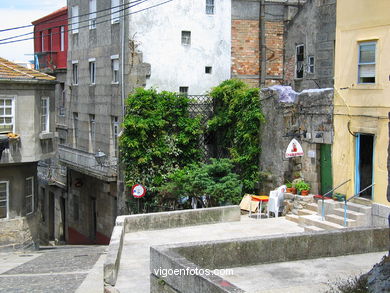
{"x":323,"y":198}
{"x":347,"y":200}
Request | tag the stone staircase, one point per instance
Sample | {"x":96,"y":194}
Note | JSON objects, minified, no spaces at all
{"x":358,"y":215}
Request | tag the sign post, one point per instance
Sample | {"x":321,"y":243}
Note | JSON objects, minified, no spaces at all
{"x":138,"y":191}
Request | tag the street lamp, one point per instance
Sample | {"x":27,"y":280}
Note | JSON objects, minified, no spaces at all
{"x":100,"y":157}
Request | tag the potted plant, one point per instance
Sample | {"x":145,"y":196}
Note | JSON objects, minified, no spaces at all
{"x":290,"y":188}
{"x":303,"y":187}
{"x":338,"y":196}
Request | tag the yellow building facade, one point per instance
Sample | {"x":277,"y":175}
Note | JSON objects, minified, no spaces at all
{"x":362,"y":98}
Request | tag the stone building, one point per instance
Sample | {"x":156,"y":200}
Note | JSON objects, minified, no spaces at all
{"x":27,"y":135}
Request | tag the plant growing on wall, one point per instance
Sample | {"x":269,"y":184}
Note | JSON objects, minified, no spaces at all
{"x":236,"y":126}
{"x":159,"y":137}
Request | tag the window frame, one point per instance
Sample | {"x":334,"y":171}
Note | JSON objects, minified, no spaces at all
{"x":92,"y":14}
{"x":360,"y":64}
{"x":92,"y":132}
{"x":62,"y":38}
{"x":6,"y":199}
{"x":12,"y":115}
{"x":310,"y":64}
{"x":210,"y":7}
{"x":92,"y":71}
{"x":115,"y":77}
{"x":26,"y":196}
{"x":75,"y":128}
{"x":299,"y":63}
{"x":115,"y":11}
{"x":45,"y":116}
{"x":186,"y":39}
{"x":183,"y":90}
{"x":75,"y":19}
{"x":75,"y":73}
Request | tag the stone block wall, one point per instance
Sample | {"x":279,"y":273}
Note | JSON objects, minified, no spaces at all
{"x":380,"y":214}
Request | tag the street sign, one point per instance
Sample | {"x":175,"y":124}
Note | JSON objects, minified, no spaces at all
{"x":138,"y":191}
{"x":294,"y":149}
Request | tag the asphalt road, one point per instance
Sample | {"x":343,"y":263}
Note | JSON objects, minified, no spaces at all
{"x":51,"y":269}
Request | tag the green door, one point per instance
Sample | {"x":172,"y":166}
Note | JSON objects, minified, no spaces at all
{"x":326,"y":168}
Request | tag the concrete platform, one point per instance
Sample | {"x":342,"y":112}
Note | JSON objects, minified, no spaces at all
{"x":304,"y":276}
{"x":134,"y":271}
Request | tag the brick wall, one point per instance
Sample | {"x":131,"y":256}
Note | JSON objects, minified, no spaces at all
{"x":245,"y":50}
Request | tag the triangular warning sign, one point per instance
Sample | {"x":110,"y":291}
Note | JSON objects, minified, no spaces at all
{"x":294,"y":149}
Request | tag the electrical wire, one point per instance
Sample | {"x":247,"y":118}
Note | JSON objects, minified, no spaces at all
{"x":138,"y":2}
{"x":68,"y":18}
{"x":147,"y":8}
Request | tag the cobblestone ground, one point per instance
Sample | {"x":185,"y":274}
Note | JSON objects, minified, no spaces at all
{"x":55,"y":269}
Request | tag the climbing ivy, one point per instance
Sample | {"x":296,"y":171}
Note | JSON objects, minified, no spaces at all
{"x":236,"y":126}
{"x":159,"y":136}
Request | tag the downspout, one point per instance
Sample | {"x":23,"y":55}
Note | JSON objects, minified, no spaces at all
{"x":262,"y":44}
{"x":123,"y":63}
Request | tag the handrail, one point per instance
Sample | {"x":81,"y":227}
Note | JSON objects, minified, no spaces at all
{"x":323,"y":197}
{"x":347,"y":200}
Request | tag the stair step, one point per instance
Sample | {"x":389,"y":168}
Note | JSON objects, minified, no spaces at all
{"x":313,"y":229}
{"x":314,"y":220}
{"x":292,"y":218}
{"x":358,"y":208}
{"x":361,"y":200}
{"x":312,"y":207}
{"x":340,"y":220}
{"x":305,"y":212}
{"x":351,"y":214}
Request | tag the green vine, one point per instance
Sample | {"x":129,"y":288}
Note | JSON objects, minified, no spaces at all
{"x":236,"y":125}
{"x":159,"y":137}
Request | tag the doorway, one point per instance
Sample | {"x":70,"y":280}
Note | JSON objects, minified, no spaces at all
{"x":326,"y":168}
{"x":364,"y":159}
{"x":51,"y":216}
{"x":63,"y":218}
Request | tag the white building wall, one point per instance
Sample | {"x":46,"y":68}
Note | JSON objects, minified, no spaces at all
{"x":157,"y":34}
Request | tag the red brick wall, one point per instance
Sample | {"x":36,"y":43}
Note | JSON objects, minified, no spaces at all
{"x":245,"y":50}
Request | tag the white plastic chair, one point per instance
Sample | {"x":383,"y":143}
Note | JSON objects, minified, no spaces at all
{"x":275,"y":202}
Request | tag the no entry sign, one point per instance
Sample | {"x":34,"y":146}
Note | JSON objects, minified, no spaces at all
{"x":138,"y":191}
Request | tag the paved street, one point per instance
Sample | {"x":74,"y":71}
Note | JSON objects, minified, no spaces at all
{"x":52,"y":269}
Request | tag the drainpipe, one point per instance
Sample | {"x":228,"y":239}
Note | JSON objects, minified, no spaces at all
{"x":262,"y":44}
{"x":123,"y":62}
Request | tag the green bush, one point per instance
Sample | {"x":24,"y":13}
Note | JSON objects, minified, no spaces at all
{"x":215,"y":180}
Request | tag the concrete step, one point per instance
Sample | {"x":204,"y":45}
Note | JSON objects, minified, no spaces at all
{"x":315,"y":220}
{"x":357,"y":208}
{"x":292,"y":218}
{"x":312,"y":207}
{"x":340,"y":220}
{"x":305,"y":212}
{"x":351,"y":214}
{"x":362,"y":201}
{"x":313,"y":229}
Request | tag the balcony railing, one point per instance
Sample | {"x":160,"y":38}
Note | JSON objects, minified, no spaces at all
{"x":86,"y":163}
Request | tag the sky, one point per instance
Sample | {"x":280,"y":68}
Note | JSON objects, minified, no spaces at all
{"x":15,"y":13}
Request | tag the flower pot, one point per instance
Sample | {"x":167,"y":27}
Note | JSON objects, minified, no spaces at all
{"x":305,"y":192}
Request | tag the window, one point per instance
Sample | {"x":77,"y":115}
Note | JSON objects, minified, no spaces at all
{"x":209,"y":6}
{"x":115,"y":132}
{"x":29,"y":195}
{"x":45,"y":115}
{"x":115,"y":68}
{"x":49,"y":40}
{"x":92,"y":14}
{"x":115,"y":10}
{"x":92,"y":71}
{"x":62,"y":39}
{"x":42,"y":42}
{"x":208,"y":69}
{"x":310,"y":64}
{"x":6,"y":114}
{"x":186,"y":38}
{"x":183,"y":90}
{"x":92,"y":132}
{"x":4,"y":194}
{"x":366,"y":66}
{"x":299,"y":61}
{"x":75,"y":72}
{"x":75,"y":127}
{"x":75,"y":19}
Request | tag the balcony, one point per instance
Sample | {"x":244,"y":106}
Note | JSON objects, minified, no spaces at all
{"x":46,"y":61}
{"x":86,"y":163}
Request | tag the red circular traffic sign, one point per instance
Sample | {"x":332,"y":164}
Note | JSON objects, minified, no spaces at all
{"x":138,"y":191}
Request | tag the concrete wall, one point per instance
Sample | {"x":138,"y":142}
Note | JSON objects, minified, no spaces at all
{"x":314,"y":26}
{"x":33,"y":145}
{"x":19,"y":228}
{"x":380,"y":215}
{"x":361,"y":108}
{"x":309,"y":116}
{"x":157,"y":35}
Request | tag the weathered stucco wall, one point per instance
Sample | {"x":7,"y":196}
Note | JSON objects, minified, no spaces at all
{"x":309,"y":120}
{"x":157,"y":35}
